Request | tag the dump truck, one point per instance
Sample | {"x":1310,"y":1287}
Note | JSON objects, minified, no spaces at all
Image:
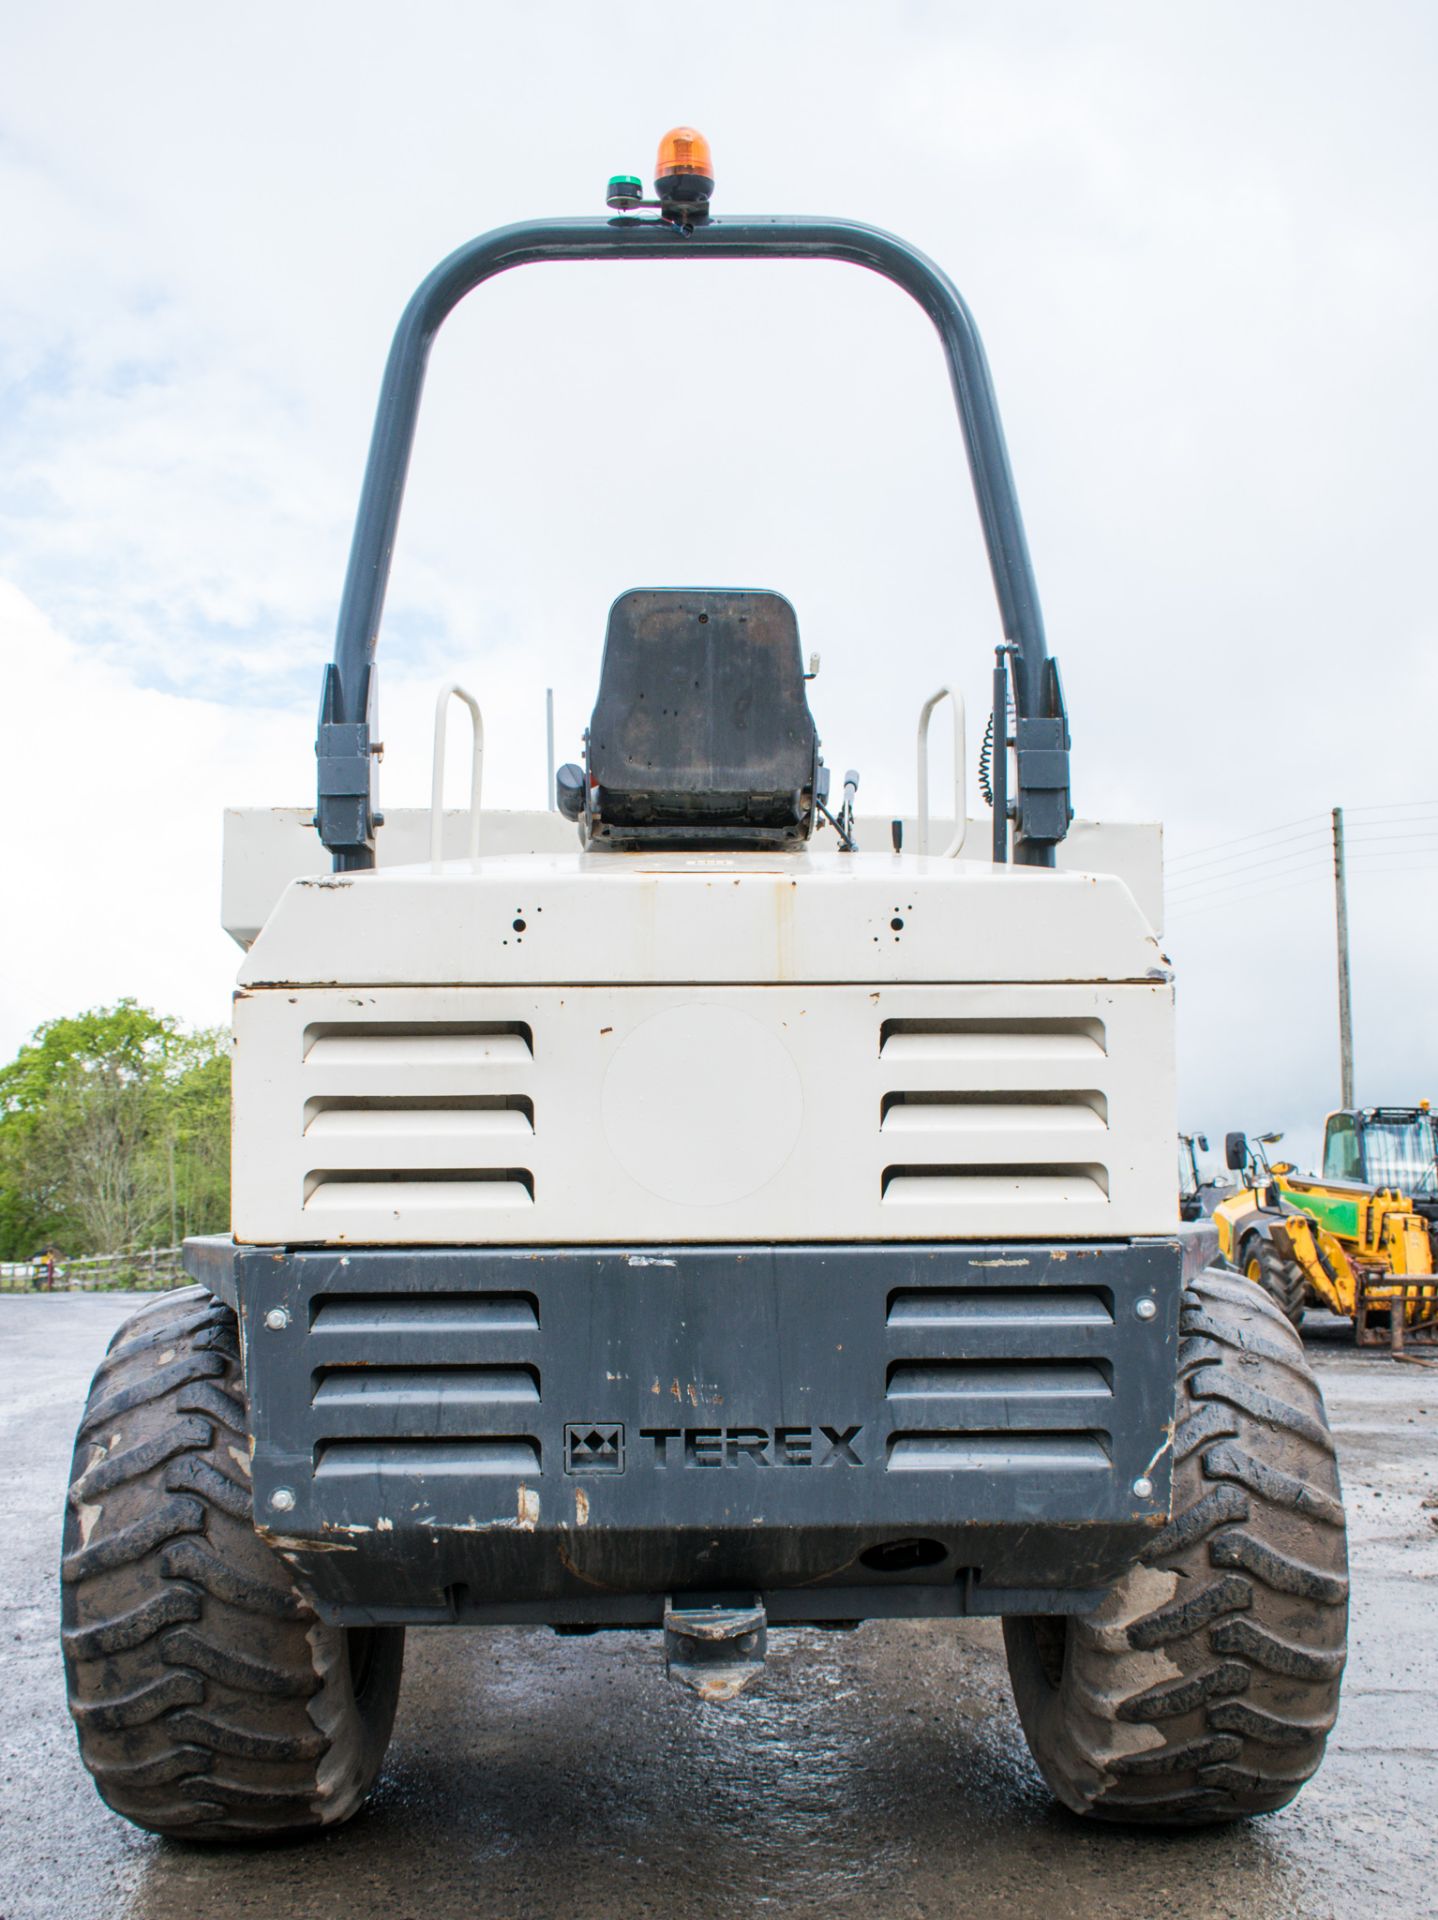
{"x":701,"y":1209}
{"x":1360,"y":1240}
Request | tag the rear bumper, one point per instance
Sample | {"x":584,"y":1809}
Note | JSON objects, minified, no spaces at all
{"x":569,"y":1436}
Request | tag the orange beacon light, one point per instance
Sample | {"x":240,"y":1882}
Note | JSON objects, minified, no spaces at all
{"x":684,"y":171}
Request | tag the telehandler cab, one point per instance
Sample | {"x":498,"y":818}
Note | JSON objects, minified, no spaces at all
{"x":700,"y":1209}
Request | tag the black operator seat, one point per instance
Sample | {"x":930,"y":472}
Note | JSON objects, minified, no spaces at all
{"x":701,"y":734}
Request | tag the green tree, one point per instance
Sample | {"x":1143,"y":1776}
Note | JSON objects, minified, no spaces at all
{"x":114,"y":1128}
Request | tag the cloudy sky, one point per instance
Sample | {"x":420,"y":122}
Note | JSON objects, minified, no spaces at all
{"x":1199,"y":240}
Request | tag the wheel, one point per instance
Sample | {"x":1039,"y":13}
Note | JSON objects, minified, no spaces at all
{"x":1282,"y":1279}
{"x":211,"y":1703}
{"x":1204,"y":1686}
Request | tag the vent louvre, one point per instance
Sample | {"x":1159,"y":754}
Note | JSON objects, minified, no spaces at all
{"x":418,"y":1043}
{"x":409,"y":1460}
{"x":1042,"y":1308}
{"x":419,"y":1390}
{"x":452,"y":1379}
{"x":981,"y":1121}
{"x":1080,"y":1110}
{"x":396,"y":1316}
{"x":1026,"y":1453}
{"x":992,"y":1040}
{"x":416,"y":1121}
{"x":456,"y":1189}
{"x":981,"y":1185}
{"x":1012,"y":1378}
{"x":495,"y":1116}
{"x":1049,"y":1380}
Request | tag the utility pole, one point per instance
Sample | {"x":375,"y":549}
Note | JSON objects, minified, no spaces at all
{"x":174,"y":1210}
{"x":1345,"y":998}
{"x":549,"y":800}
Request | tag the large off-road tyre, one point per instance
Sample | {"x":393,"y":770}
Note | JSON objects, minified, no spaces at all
{"x":1281,"y":1278}
{"x":210,"y":1700}
{"x":1203,"y":1688}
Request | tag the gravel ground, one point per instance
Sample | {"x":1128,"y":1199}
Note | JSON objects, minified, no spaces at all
{"x":879,"y":1773}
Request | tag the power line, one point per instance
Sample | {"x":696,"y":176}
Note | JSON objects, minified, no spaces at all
{"x":1315,"y":862}
{"x":1295,"y":875}
{"x":1265,"y":833}
{"x":1296,"y":853}
{"x":1382,"y":836}
{"x":1249,"y":866}
{"x":1224,"y":892}
{"x":1189,"y":909}
{"x":1396,"y":863}
{"x":1319,"y":825}
{"x":1252,"y":856}
{"x":1221,"y":884}
{"x":1313,"y":840}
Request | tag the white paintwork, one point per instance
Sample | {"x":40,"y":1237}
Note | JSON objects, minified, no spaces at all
{"x":531,"y":1044}
{"x":267,"y":847}
{"x":646,"y":919}
{"x":655,"y":1114}
{"x":957,"y":1118}
{"x":679,"y":1109}
{"x":453,"y":691}
{"x":961,"y":772}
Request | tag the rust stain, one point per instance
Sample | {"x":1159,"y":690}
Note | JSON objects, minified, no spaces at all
{"x":784,"y":898}
{"x":581,"y":1507}
{"x":567,"y":1562}
{"x":718,"y":1692}
{"x":287,"y":1543}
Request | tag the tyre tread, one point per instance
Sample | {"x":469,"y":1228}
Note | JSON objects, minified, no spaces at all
{"x":208,"y":1699}
{"x":1212,"y":1696}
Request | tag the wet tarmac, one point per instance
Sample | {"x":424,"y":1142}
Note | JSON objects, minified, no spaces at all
{"x":878,"y":1773}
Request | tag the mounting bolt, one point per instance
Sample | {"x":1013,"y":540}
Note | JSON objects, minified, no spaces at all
{"x":277,"y":1319}
{"x":1142,"y":1487}
{"x":282,"y":1500}
{"x":1146,"y":1308}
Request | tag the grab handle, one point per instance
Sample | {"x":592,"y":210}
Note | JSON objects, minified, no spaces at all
{"x":961,"y":823}
{"x":452,"y":691}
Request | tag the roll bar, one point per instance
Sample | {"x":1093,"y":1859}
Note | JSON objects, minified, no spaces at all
{"x":346,"y":817}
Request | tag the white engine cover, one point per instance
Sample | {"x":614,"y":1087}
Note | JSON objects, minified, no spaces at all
{"x":650,"y":1051}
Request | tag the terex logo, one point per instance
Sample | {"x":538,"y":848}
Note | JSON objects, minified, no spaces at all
{"x":759,"y":1446}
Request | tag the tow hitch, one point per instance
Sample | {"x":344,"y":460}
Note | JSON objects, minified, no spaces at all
{"x":715,"y":1650}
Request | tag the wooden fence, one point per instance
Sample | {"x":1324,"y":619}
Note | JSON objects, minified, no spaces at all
{"x":148,"y":1269}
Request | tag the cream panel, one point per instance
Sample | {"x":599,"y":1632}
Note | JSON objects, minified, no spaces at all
{"x":648,"y":1115}
{"x":267,"y":847}
{"x":721,"y":918}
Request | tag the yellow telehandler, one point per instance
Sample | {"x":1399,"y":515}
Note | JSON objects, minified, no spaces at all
{"x":1361,"y":1239}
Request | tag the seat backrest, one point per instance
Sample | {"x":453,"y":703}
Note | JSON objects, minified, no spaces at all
{"x":702,"y":726}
